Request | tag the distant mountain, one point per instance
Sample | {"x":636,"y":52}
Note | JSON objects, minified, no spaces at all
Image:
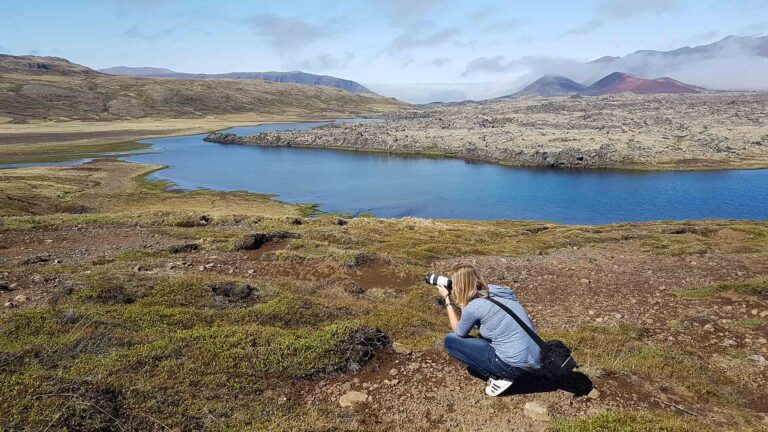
{"x":137,"y":71}
{"x":296,"y":77}
{"x":619,"y":82}
{"x":728,"y":46}
{"x":616,"y":82}
{"x":548,"y":86}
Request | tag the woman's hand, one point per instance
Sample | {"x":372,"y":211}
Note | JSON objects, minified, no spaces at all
{"x":443,"y":292}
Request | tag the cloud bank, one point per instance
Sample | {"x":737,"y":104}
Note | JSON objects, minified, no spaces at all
{"x":730,"y":64}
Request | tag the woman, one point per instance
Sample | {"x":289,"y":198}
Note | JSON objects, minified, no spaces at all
{"x":503,"y":351}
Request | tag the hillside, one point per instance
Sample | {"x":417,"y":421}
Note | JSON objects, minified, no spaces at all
{"x":296,"y":77}
{"x":548,"y":86}
{"x":619,"y":82}
{"x":50,"y":88}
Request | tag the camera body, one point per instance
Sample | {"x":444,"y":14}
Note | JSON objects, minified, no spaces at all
{"x":440,"y":281}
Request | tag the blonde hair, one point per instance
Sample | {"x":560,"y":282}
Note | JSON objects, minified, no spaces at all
{"x":467,"y":284}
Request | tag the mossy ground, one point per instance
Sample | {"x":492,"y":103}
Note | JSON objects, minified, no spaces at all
{"x":127,"y":335}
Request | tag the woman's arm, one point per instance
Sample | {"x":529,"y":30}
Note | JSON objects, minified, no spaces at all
{"x":453,"y":317}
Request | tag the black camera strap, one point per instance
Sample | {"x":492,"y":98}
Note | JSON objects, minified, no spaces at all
{"x":539,"y":341}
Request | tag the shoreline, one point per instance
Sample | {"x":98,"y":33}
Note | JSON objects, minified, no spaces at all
{"x":745,"y":165}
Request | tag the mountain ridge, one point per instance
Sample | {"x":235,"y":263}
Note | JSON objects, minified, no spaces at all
{"x":294,"y":76}
{"x":754,"y":45}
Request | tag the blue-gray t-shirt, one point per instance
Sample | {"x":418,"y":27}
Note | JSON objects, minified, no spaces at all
{"x":511,"y":342}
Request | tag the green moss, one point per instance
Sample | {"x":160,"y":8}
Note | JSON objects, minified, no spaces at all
{"x":137,"y":255}
{"x":630,"y":421}
{"x":756,"y":287}
{"x":750,"y":322}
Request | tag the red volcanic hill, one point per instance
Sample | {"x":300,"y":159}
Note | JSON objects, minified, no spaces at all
{"x":619,"y":82}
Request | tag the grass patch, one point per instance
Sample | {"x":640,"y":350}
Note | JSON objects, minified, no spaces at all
{"x":630,"y":421}
{"x":43,"y":153}
{"x":623,"y":348}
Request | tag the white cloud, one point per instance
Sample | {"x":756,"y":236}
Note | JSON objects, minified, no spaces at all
{"x":325,"y":62}
{"x":285,"y":33}
{"x":583,"y":28}
{"x":621,"y":9}
{"x":422,"y":35}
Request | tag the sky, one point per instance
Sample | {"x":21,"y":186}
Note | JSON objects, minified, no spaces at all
{"x":416,"y":50}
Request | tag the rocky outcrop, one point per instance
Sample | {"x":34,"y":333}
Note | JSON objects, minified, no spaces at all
{"x":617,"y":131}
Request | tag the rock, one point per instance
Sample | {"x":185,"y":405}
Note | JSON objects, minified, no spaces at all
{"x":36,"y":259}
{"x":69,"y":317}
{"x":210,"y":265}
{"x":257,"y":240}
{"x":352,"y":398}
{"x":709,"y":327}
{"x":140,"y":268}
{"x":340,"y":222}
{"x":251,"y":271}
{"x":184,"y":248}
{"x":400,"y":348}
{"x":233,"y":290}
{"x":594,"y":394}
{"x":393,"y":372}
{"x":758,"y":358}
{"x":754,"y":311}
{"x":537,"y":411}
{"x":20,"y":299}
{"x":358,"y":260}
{"x":9,"y":304}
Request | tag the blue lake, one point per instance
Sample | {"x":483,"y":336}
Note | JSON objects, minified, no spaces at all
{"x":395,"y":186}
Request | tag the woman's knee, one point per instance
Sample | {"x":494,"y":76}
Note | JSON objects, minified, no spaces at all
{"x":451,"y":342}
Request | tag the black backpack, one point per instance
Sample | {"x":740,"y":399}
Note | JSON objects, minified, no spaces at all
{"x":556,"y":359}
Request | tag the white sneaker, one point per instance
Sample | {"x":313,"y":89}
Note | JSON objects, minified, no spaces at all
{"x":496,"y":387}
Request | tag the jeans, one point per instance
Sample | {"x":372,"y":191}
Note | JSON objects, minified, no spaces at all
{"x":478,"y":354}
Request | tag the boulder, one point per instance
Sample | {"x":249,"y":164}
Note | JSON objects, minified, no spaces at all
{"x":352,"y":398}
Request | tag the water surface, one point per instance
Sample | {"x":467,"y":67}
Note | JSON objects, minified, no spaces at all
{"x":395,"y":186}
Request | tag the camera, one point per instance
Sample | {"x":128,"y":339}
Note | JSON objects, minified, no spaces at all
{"x":437,"y":280}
